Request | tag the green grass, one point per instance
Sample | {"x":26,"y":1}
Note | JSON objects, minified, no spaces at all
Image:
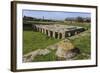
{"x":39,"y":22}
{"x":84,"y":44}
{"x":85,"y":25}
{"x":49,"y":57}
{"x":36,"y":40}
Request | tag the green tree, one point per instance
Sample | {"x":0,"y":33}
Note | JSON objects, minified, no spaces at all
{"x":79,"y":19}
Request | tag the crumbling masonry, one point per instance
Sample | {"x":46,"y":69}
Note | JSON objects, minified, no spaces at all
{"x":58,"y":31}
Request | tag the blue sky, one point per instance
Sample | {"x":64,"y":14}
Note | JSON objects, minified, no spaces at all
{"x":58,"y":15}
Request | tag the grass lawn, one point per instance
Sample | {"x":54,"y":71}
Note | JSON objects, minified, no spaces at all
{"x":36,"y":40}
{"x":85,"y":25}
{"x":84,"y":44}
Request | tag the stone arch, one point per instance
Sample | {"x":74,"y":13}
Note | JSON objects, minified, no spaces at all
{"x":56,"y":34}
{"x":72,"y":32}
{"x":60,"y":35}
{"x":47,"y":32}
{"x":51,"y":33}
{"x":67,"y":34}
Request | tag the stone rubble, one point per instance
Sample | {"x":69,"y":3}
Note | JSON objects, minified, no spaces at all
{"x":64,"y":49}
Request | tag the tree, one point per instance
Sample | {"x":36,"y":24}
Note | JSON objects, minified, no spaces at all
{"x":79,"y":19}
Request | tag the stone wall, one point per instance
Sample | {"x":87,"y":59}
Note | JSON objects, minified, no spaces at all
{"x":55,"y":32}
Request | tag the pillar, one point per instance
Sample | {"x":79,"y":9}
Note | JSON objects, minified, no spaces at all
{"x":76,"y":32}
{"x":42,"y":30}
{"x":63,"y":35}
{"x":69,"y":34}
{"x":54,"y":34}
{"x":48,"y":33}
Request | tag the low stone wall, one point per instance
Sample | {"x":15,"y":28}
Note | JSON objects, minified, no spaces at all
{"x":57,"y":33}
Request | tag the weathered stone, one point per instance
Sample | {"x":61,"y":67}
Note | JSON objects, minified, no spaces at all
{"x":66,"y":50}
{"x":43,"y":52}
{"x":65,"y":45}
{"x":72,"y":53}
{"x":30,"y":56}
{"x":58,"y":31}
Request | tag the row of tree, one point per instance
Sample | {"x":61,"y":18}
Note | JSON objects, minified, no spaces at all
{"x":37,"y":19}
{"x":77,"y":19}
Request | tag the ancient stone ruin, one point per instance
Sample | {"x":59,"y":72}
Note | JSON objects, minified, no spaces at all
{"x":65,"y":50}
{"x":58,"y":31}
